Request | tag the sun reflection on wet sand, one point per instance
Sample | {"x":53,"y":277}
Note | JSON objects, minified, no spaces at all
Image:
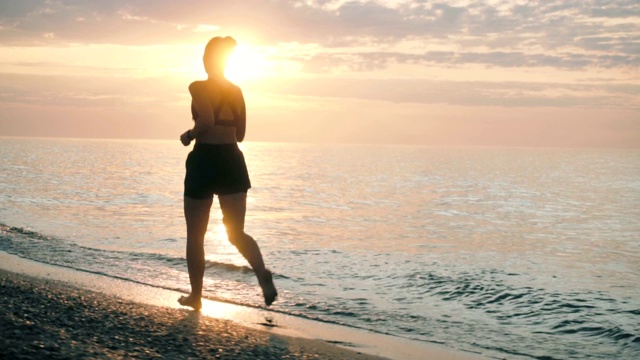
{"x":129,"y":290}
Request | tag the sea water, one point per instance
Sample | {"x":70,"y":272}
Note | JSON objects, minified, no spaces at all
{"x":509,"y":252}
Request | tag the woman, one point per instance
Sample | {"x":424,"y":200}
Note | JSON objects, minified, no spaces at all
{"x":216,"y":166}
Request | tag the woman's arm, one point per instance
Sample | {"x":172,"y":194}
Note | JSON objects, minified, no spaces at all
{"x":194,"y":112}
{"x":202,"y":106}
{"x":201,"y":111}
{"x":241,"y":121}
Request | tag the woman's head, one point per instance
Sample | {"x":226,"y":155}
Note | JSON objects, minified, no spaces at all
{"x":216,"y":54}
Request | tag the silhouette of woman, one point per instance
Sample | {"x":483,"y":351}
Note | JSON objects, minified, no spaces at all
{"x":217,"y":166}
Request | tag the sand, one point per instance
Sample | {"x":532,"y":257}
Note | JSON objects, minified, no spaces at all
{"x":49,"y":319}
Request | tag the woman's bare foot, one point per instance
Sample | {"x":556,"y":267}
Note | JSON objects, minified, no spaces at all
{"x":191,"y":301}
{"x":268,"y":289}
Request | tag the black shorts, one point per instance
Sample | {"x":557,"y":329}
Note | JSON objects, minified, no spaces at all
{"x":215,"y":169}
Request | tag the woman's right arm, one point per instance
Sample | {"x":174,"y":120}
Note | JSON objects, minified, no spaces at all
{"x":202,"y":107}
{"x":241,"y":121}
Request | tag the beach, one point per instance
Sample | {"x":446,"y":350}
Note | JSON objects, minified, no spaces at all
{"x":55,"y":320}
{"x":52,"y":312}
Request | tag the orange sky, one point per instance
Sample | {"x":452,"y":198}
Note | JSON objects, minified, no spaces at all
{"x":468,"y":72}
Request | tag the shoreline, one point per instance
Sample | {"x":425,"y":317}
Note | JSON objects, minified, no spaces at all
{"x":55,"y":312}
{"x":52,"y":319}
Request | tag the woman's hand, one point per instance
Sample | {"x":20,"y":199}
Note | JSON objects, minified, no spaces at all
{"x":186,"y":138}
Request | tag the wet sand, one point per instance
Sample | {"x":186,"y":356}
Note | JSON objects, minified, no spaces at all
{"x":49,"y":319}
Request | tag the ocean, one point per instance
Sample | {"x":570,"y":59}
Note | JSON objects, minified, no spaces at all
{"x":515,"y":253}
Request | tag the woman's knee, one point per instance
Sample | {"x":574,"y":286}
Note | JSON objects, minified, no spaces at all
{"x":236,"y":237}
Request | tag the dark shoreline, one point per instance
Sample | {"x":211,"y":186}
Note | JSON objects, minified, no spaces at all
{"x":48,"y":319}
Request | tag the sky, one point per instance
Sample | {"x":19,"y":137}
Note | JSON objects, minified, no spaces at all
{"x":548,"y":73}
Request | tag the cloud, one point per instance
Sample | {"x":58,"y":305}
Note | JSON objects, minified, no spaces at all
{"x":370,"y":36}
{"x":140,"y":93}
{"x":546,"y":25}
{"x":92,"y":92}
{"x":467,"y":93}
{"x":376,"y":60}
{"x":617,"y":9}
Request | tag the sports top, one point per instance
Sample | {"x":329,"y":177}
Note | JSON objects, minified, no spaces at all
{"x":217,"y":110}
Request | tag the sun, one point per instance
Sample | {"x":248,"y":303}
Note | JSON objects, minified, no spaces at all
{"x":247,"y":63}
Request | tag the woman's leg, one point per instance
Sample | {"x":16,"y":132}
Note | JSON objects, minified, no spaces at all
{"x":196,"y":214}
{"x":234,"y":207}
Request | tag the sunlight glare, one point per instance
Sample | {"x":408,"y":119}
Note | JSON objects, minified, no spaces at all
{"x":247,"y":63}
{"x":218,"y":243}
{"x":217,"y":234}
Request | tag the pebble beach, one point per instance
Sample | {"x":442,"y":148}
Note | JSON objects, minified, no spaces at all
{"x":49,"y":319}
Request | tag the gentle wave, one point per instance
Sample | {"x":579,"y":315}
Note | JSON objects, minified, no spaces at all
{"x":492,"y":293}
{"x":29,"y":245}
{"x":590,"y":314}
{"x":32,"y":245}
